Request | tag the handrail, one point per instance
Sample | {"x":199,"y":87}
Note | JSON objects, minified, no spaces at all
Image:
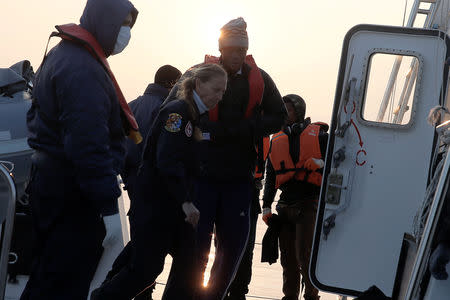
{"x":7,"y":223}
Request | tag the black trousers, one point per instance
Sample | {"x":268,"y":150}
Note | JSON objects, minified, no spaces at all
{"x":239,"y":287}
{"x":126,"y":255}
{"x":153,"y":240}
{"x":68,"y":235}
{"x":225,"y":205}
{"x":296,"y":238}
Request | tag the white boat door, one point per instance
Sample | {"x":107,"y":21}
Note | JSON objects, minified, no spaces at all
{"x":378,"y":155}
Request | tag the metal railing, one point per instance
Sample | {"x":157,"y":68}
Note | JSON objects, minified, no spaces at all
{"x":7,"y":209}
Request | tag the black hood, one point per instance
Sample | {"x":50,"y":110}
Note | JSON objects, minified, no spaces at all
{"x":103,"y":19}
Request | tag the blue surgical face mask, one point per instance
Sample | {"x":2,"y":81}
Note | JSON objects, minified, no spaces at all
{"x":122,"y":39}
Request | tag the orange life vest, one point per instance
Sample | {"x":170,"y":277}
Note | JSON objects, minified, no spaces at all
{"x":282,"y":161}
{"x":255,"y":82}
{"x":266,"y":146}
{"x":78,"y":34}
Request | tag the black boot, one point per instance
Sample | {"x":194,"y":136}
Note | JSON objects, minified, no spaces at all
{"x":234,"y":297}
{"x":306,"y":297}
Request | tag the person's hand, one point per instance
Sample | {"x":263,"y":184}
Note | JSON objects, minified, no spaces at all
{"x":266,"y":214}
{"x":313,"y":164}
{"x":113,"y":230}
{"x":439,"y":260}
{"x":191,"y":212}
{"x":258,"y":184}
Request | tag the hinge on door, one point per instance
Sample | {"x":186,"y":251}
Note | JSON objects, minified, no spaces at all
{"x":334,"y":188}
{"x":349,"y":97}
{"x":328,"y":224}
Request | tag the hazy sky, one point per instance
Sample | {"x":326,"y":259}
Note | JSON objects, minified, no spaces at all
{"x":297,"y":42}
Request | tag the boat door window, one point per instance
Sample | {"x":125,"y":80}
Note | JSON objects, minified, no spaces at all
{"x":391,"y":81}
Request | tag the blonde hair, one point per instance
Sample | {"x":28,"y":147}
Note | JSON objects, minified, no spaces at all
{"x":204,"y":73}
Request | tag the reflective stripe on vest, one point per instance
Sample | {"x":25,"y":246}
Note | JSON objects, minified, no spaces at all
{"x":78,"y":34}
{"x":282,"y":161}
{"x":255,"y":82}
{"x":266,"y":147}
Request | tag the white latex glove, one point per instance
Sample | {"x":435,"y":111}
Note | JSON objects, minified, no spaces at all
{"x":113,"y":230}
{"x":313,"y":164}
{"x":266,"y":214}
{"x":191,"y":212}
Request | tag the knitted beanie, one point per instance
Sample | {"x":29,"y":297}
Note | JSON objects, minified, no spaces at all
{"x":234,"y":34}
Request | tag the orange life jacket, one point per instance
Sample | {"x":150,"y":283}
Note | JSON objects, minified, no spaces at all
{"x":282,"y":161}
{"x":266,"y":146}
{"x":255,"y":82}
{"x":78,"y":34}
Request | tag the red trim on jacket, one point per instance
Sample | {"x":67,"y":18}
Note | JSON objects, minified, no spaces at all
{"x":78,"y":34}
{"x":266,"y":147}
{"x":255,"y":82}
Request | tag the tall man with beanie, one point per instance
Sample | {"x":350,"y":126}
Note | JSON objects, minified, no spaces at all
{"x":145,"y":109}
{"x":295,"y":166}
{"x":251,"y":108}
{"x":77,"y":126}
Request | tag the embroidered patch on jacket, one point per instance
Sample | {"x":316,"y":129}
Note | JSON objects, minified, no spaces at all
{"x":206,"y":136}
{"x":173,"y":123}
{"x":188,"y":129}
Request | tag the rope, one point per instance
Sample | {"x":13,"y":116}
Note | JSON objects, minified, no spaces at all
{"x":422,"y":215}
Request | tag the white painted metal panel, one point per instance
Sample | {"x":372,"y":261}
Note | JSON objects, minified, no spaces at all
{"x":385,"y":170}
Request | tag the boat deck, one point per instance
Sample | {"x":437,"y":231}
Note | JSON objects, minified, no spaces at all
{"x":266,"y":279}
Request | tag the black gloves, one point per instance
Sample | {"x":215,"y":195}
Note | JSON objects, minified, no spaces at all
{"x":438,"y":261}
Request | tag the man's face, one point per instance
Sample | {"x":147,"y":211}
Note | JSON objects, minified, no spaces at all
{"x":233,"y":58}
{"x":292,"y":115}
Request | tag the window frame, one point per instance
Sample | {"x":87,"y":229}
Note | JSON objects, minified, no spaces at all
{"x":365,"y":81}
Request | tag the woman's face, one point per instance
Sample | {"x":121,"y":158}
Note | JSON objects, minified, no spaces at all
{"x":211,"y":91}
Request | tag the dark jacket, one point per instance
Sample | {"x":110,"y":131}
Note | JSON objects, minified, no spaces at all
{"x":269,"y":251}
{"x":293,"y":191}
{"x":145,"y":109}
{"x":443,"y":235}
{"x":75,"y":117}
{"x":231,"y":152}
{"x":168,"y":167}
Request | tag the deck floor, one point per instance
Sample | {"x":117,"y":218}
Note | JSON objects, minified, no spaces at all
{"x":266,"y":280}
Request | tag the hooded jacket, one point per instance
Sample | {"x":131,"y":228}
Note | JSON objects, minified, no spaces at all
{"x":75,"y":118}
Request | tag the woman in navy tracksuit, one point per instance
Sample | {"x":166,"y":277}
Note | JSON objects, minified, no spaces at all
{"x":164,"y":214}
